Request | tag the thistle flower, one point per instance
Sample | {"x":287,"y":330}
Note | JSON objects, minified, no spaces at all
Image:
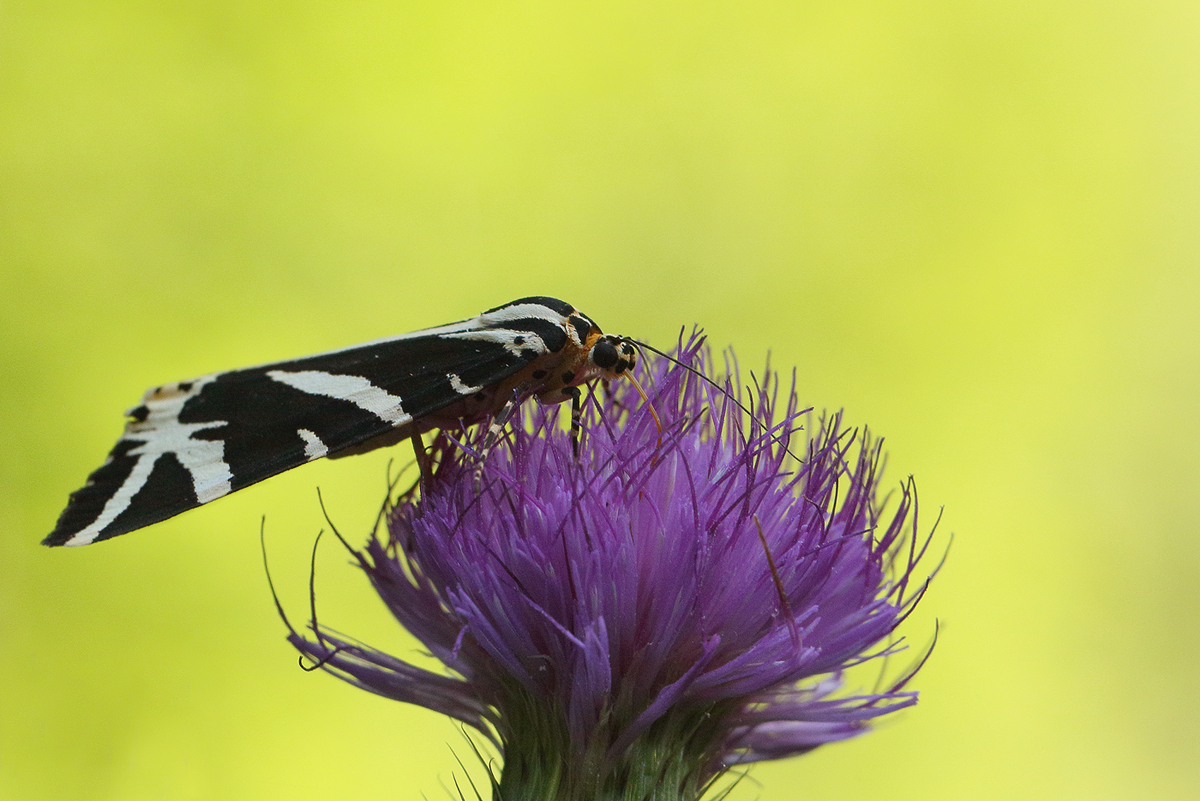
{"x":629,"y":622}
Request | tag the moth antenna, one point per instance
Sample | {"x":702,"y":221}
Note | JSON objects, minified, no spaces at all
{"x":724,"y":391}
{"x":696,"y":373}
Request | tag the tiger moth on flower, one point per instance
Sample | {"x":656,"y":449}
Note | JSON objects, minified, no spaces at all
{"x":191,"y":442}
{"x":685,"y":595}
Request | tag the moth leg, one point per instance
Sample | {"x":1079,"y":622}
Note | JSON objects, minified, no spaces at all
{"x":576,"y":417}
{"x":494,"y":432}
{"x":422,"y":457}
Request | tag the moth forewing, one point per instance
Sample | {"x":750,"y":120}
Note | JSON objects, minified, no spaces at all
{"x":194,"y":441}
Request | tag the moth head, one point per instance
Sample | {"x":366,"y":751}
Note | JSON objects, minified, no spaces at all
{"x":613,"y":355}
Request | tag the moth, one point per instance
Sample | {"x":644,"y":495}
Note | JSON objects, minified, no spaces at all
{"x":191,"y":442}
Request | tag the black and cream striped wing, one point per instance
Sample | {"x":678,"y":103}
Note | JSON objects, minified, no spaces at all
{"x":195,"y":441}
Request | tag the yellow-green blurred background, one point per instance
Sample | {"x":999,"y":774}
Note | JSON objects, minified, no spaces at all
{"x":976,"y":225}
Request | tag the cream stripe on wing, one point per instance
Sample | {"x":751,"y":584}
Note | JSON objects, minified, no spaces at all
{"x":355,"y":389}
{"x":314,"y":448}
{"x":160,"y":432}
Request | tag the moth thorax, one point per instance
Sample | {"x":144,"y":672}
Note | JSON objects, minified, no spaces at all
{"x":614,"y":355}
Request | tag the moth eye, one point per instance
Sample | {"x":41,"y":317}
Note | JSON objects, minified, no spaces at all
{"x":604,"y":355}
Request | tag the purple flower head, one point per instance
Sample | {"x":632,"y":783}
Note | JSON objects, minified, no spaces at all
{"x":632,"y":620}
